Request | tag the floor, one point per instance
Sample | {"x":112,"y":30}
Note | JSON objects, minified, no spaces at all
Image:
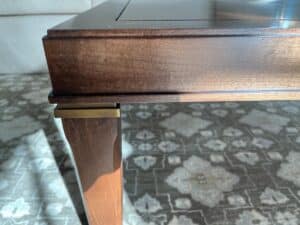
{"x":192,"y":164}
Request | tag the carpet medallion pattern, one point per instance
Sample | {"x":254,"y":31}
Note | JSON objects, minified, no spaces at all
{"x":214,"y":163}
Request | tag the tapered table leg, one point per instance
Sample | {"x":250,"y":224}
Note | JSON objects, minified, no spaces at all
{"x":95,"y":143}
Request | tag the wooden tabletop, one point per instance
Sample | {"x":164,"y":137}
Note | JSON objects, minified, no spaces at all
{"x":183,"y":17}
{"x":211,"y":50}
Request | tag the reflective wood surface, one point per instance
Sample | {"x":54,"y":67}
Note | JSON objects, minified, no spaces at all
{"x":199,"y":17}
{"x":97,"y":152}
{"x":165,"y":50}
{"x":126,"y":47}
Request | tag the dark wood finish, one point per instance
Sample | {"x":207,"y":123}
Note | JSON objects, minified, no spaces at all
{"x":174,"y":65}
{"x":152,"y":47}
{"x":96,"y":149}
{"x":153,"y":10}
{"x":185,"y":97}
{"x":182,"y":17}
{"x":132,"y":51}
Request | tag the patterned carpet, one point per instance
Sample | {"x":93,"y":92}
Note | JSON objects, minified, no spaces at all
{"x":186,"y":164}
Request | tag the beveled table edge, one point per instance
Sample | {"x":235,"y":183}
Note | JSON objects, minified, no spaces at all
{"x":169,"y":33}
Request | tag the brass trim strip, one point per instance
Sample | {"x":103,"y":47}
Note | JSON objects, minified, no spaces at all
{"x":86,"y":105}
{"x":87,"y":113}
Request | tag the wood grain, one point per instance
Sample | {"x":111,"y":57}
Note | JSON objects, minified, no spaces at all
{"x":96,"y":149}
{"x":237,"y":50}
{"x":173,"y":65}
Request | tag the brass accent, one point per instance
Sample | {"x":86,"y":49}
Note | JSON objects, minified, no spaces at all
{"x":86,"y":105}
{"x":87,"y":111}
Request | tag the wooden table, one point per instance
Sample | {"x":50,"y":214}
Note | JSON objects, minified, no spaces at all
{"x":132,"y":51}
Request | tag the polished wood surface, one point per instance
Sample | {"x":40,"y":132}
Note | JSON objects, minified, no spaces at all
{"x":171,"y":18}
{"x":97,"y":152}
{"x":174,"y":65}
{"x":90,"y":55}
{"x":137,"y":51}
{"x":153,"y":10}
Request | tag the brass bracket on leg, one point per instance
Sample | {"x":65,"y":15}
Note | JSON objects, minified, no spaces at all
{"x":97,"y":110}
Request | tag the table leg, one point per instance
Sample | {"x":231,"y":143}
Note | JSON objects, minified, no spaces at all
{"x":95,"y":143}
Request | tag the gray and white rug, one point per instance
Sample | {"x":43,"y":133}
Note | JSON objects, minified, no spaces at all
{"x":192,"y":164}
